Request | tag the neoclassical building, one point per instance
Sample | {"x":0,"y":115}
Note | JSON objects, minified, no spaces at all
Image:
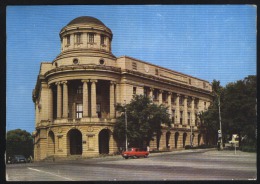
{"x":76,"y":93}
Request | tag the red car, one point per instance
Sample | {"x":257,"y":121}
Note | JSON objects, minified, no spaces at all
{"x":135,"y":153}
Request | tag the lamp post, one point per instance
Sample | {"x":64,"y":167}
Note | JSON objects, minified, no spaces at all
{"x":220,"y":128}
{"x":126,"y":147}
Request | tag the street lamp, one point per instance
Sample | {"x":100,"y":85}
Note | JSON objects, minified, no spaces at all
{"x":126,"y":147}
{"x":220,"y":128}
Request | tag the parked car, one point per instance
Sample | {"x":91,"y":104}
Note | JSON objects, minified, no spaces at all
{"x":18,"y":159}
{"x":135,"y":153}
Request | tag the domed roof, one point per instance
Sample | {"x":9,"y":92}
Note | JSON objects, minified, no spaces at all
{"x":85,"y":20}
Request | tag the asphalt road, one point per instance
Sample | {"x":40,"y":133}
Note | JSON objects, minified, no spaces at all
{"x":181,"y":165}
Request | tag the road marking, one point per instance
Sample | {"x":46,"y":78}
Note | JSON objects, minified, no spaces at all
{"x":50,"y":173}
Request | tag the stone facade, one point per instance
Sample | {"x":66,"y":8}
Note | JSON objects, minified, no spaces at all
{"x":76,"y":93}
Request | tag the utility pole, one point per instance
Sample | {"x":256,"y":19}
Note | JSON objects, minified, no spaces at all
{"x":126,"y":146}
{"x":220,"y":128}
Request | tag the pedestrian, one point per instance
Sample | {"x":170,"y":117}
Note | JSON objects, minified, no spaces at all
{"x":148,"y":148}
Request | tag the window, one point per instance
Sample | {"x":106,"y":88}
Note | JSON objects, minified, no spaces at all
{"x":102,"y":39}
{"x":164,"y":97}
{"x":75,"y":61}
{"x":205,"y":105}
{"x":134,"y":65}
{"x":68,"y":39}
{"x":181,"y":115}
{"x":79,"y":111}
{"x":101,"y":61}
{"x":156,"y":71}
{"x":145,"y":92}
{"x":189,"y":81}
{"x":80,"y":90}
{"x":181,"y":100}
{"x":78,"y":38}
{"x":91,"y":37}
{"x":188,"y":118}
{"x":134,"y":90}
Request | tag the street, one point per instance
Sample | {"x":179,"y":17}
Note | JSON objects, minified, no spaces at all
{"x":178,"y":165}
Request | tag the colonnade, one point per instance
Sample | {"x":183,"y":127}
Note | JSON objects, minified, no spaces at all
{"x":62,"y":99}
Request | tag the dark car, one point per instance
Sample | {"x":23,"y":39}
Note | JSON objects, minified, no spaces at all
{"x":18,"y":159}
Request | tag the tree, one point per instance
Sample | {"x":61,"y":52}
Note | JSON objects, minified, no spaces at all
{"x":19,"y":142}
{"x":144,"y":121}
{"x":238,"y":109}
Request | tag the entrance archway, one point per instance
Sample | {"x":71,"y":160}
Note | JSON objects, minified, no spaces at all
{"x":51,"y":143}
{"x":184,"y":139}
{"x":103,"y":141}
{"x":176,"y":137}
{"x":75,"y":142}
{"x":168,"y":135}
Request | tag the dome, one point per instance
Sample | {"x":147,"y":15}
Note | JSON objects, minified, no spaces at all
{"x":85,"y":20}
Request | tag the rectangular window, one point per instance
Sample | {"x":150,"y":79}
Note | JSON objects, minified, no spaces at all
{"x":91,"y":37}
{"x":173,"y":116}
{"x":68,"y":39}
{"x":80,"y":90}
{"x":181,"y":100}
{"x":78,"y":38}
{"x":102,"y":39}
{"x":189,"y":81}
{"x":79,"y":111}
{"x":134,"y":65}
{"x":156,"y":71}
{"x":134,"y":90}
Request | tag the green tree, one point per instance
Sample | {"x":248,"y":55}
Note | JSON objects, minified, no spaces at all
{"x":239,"y":111}
{"x":144,"y":121}
{"x":19,"y":142}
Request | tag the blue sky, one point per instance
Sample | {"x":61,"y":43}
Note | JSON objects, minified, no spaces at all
{"x":204,"y":41}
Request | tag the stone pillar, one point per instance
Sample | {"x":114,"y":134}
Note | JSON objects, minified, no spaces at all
{"x":65,"y":100}
{"x":85,"y":98}
{"x":185,"y":112}
{"x":151,"y":93}
{"x":50,"y":103}
{"x":192,"y":112}
{"x":59,"y":100}
{"x":93,"y":98}
{"x":160,"y":97}
{"x":170,"y":104}
{"x":112,"y":99}
{"x":177,"y":110}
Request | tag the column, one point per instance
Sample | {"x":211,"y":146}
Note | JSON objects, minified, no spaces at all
{"x":170,"y":104}
{"x":50,"y":103}
{"x":93,"y":98}
{"x":160,"y":97}
{"x":185,"y":112}
{"x":192,"y":111}
{"x":85,"y":98}
{"x":151,"y":93}
{"x":65,"y":100}
{"x":112,"y":99}
{"x":59,"y":98}
{"x":177,"y":109}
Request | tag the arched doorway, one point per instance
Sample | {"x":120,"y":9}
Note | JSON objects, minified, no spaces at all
{"x":51,"y":143}
{"x":184,"y":139}
{"x":199,"y":137}
{"x":168,"y":135}
{"x":103,"y":141}
{"x":176,"y":137}
{"x":75,"y":142}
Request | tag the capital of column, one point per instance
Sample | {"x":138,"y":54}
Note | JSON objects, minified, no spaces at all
{"x":193,"y":98}
{"x":64,"y":82}
{"x":85,"y":81}
{"x":160,"y":91}
{"x":57,"y":83}
{"x":112,"y":82}
{"x":178,"y":95}
{"x":169,"y":93}
{"x":185,"y":96}
{"x":151,"y":89}
{"x":93,"y":80}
